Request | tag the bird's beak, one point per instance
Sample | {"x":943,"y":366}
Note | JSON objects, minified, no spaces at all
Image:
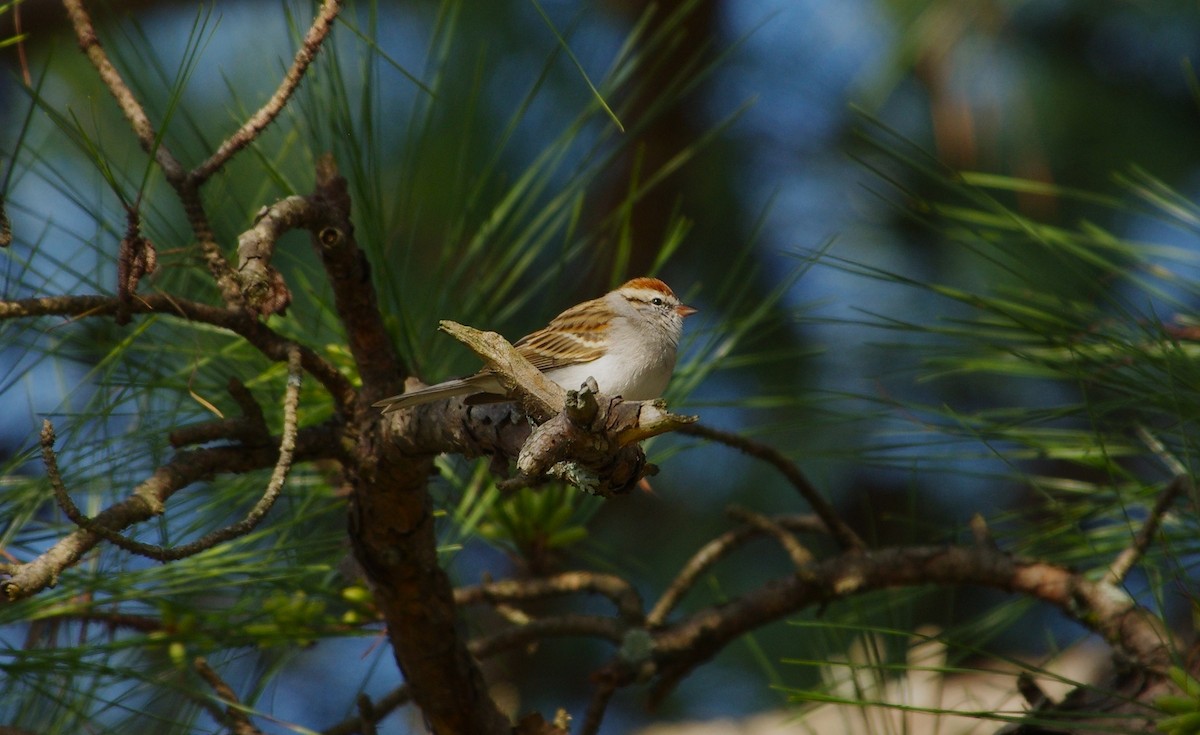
{"x":685,"y":310}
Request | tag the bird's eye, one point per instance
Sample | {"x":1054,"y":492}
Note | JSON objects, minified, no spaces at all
{"x":656,"y":301}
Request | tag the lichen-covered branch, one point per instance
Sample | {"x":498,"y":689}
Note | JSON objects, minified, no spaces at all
{"x":263,"y":285}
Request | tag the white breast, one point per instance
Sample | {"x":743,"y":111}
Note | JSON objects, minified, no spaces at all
{"x":636,"y":377}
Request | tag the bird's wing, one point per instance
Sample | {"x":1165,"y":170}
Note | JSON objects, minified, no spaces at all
{"x":570,"y":338}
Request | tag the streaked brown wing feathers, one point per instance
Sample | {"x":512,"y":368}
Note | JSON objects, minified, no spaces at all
{"x":572,"y":337}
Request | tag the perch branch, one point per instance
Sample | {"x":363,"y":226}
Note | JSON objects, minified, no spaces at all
{"x":843,"y":534}
{"x":585,"y":439}
{"x":541,"y":397}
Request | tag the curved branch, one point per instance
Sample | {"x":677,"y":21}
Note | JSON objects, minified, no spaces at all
{"x":148,"y":499}
{"x":266,"y":292}
{"x":588,"y":440}
{"x":800,"y":556}
{"x":714,"y":551}
{"x":1102,"y":607}
{"x":843,"y":534}
{"x":287,"y":447}
{"x":321,"y":25}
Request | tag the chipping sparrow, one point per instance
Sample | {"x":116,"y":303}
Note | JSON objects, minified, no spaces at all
{"x":626,"y":340}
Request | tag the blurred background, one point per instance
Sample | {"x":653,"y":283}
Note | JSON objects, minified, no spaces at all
{"x":751,"y":145}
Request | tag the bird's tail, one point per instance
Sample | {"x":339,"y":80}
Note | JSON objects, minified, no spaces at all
{"x":437,"y":392}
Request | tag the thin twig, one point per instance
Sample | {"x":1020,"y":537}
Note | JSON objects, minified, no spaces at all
{"x":143,"y":129}
{"x":843,"y":534}
{"x":366,"y":714}
{"x":714,"y":551}
{"x":269,"y":342}
{"x":605,"y":688}
{"x":320,"y":28}
{"x":1145,"y":535}
{"x":151,"y":142}
{"x":232,"y":716}
{"x":1155,"y":445}
{"x":799,"y":555}
{"x":380,"y":708}
{"x":61,"y":496}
